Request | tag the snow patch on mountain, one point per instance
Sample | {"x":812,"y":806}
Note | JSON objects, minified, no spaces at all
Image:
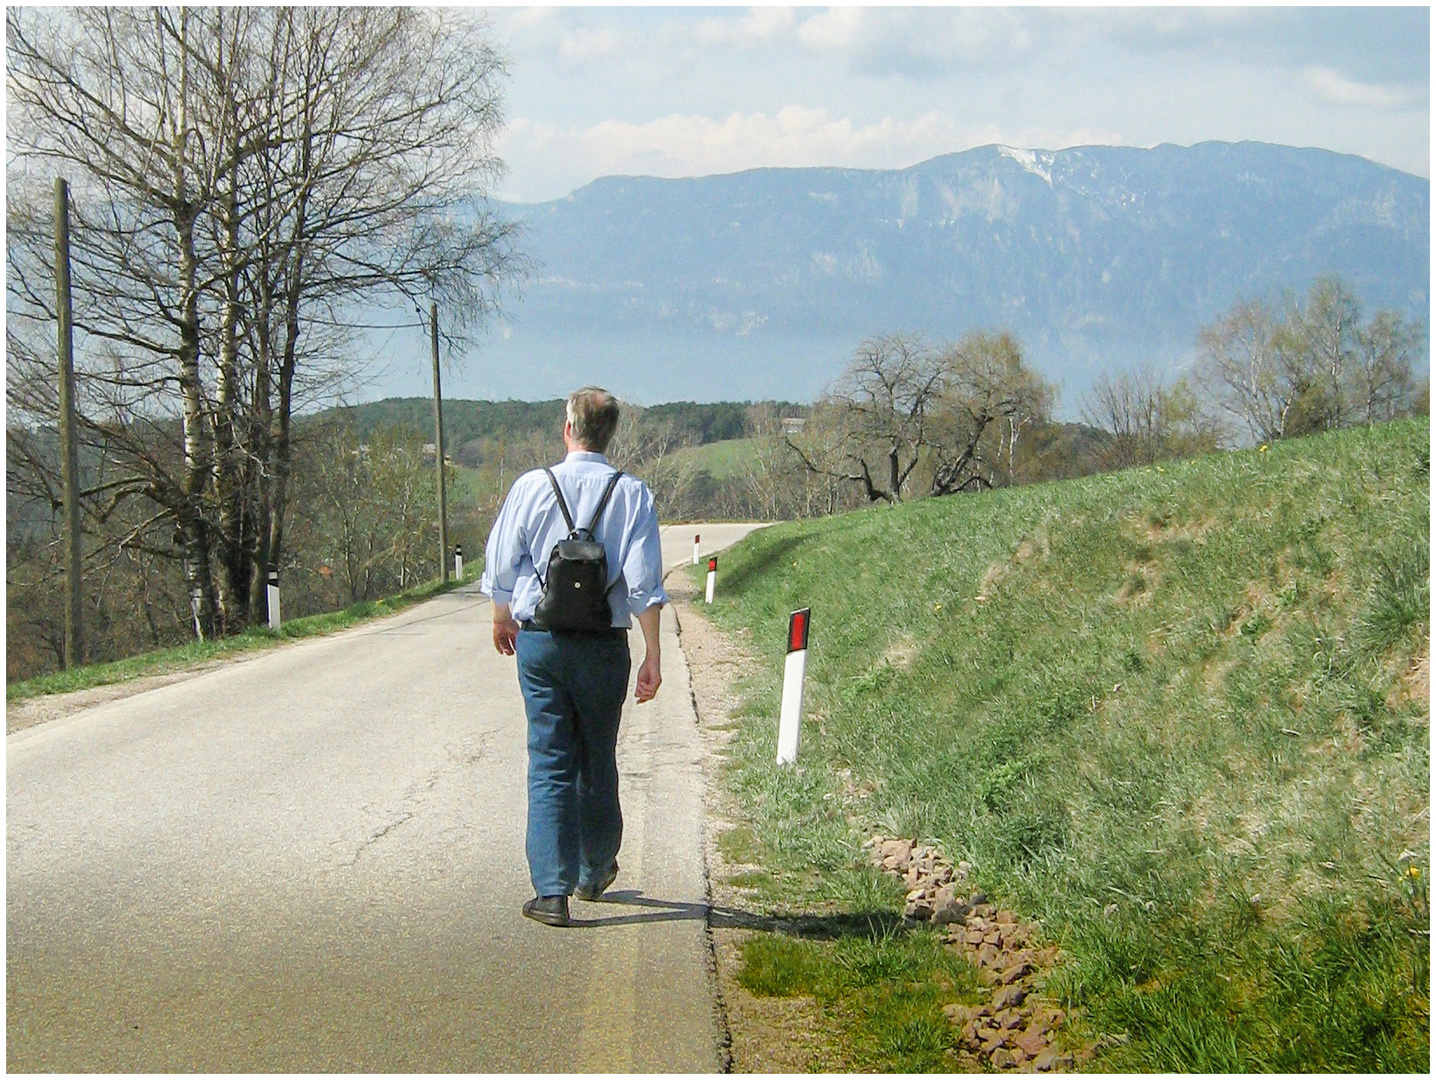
{"x":1037,"y":162}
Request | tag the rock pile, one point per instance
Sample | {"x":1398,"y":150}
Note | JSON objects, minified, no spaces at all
{"x":932,"y":882}
{"x":1014,"y":1030}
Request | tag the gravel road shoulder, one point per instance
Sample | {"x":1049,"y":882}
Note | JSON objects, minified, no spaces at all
{"x":766,"y":1034}
{"x":46,"y":707}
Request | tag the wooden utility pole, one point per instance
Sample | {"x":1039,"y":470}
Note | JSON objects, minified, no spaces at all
{"x":439,"y":445}
{"x":69,"y":437}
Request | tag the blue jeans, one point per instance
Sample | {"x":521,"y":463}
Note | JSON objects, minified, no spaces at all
{"x":573,"y":686}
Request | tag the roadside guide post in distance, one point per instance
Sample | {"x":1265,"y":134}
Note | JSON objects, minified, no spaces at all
{"x":795,"y":670}
{"x":272,"y":595}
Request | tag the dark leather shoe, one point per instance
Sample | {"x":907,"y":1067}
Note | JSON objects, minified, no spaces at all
{"x":549,"y":910}
{"x":594,"y":890}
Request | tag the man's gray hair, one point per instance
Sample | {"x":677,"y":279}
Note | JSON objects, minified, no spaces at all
{"x":593,"y":414}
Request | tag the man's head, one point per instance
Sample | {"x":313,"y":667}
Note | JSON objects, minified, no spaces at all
{"x":592,"y":418}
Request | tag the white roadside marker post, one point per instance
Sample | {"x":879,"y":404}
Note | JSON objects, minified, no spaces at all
{"x":459,"y":562}
{"x":696,"y":538}
{"x":795,"y":670}
{"x":712,"y":577}
{"x":272,"y":595}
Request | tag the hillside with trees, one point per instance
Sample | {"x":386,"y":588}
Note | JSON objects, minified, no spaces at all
{"x":909,"y":419}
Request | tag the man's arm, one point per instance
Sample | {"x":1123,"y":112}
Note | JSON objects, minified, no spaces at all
{"x":649,"y":673}
{"x":502,"y":555}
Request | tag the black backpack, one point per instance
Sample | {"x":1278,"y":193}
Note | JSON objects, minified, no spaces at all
{"x":575,"y":596}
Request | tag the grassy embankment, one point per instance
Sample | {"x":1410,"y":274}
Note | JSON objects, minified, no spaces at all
{"x":183,"y":657}
{"x":1178,"y":714}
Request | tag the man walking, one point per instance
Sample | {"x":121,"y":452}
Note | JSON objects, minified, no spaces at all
{"x":574,"y":681}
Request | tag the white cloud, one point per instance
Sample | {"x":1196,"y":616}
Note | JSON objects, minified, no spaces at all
{"x":756,"y":26}
{"x":917,"y":42}
{"x":568,"y":35}
{"x":794,"y":136}
{"x":1146,"y":29}
{"x":583,"y":45}
{"x":526,"y":18}
{"x":1335,"y":88}
{"x":687,"y":92}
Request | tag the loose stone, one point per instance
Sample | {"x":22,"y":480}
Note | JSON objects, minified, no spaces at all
{"x":1008,"y":996}
{"x":1015,"y":972}
{"x":1030,"y":1043}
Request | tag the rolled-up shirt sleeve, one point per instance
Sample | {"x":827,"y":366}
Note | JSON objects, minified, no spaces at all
{"x":643,"y":559}
{"x":504,"y":553}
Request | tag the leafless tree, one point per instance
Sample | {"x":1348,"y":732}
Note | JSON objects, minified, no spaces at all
{"x":1322,"y":339}
{"x":1315,"y":367}
{"x":371,"y":524}
{"x":952,"y":415}
{"x":1145,"y":419}
{"x":245,"y":180}
{"x":991,"y":395}
{"x":881,"y":405}
{"x":1380,"y":382}
{"x":1243,"y":371}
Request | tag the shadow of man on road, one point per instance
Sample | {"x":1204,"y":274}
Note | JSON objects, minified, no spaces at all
{"x":824,"y":927}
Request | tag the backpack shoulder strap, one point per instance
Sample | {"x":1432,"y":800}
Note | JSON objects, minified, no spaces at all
{"x":562,"y":505}
{"x":603,"y":502}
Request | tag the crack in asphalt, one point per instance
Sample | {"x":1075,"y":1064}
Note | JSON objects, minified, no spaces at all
{"x":466,"y":755}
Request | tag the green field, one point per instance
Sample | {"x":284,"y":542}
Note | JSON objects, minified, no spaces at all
{"x":724,"y":460}
{"x":1179,"y":714}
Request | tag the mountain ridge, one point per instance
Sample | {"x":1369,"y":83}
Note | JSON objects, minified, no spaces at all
{"x":760,"y":283}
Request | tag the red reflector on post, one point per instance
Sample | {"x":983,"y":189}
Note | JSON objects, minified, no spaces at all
{"x":798,"y":630}
{"x":713,"y":565}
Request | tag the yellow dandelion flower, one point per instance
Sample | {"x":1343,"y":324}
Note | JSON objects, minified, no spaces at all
{"x":1413,"y":871}
{"x":1262,"y":449}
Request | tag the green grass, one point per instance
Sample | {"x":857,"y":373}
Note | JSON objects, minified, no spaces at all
{"x":723,"y":460}
{"x":1183,"y":690}
{"x":885,"y":986}
{"x":184,"y":657}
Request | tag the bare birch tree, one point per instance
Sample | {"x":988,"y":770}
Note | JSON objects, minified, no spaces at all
{"x":246,"y":179}
{"x":1145,"y":420}
{"x":1317,"y":366}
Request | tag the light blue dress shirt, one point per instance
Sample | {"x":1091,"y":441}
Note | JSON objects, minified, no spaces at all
{"x":530,"y":523}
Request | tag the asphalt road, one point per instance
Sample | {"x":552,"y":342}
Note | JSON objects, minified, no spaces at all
{"x":312,"y":860}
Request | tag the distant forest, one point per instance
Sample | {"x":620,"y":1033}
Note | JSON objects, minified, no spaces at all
{"x":472,"y":427}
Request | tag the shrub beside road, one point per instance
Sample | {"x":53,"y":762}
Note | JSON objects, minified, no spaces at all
{"x":1177,"y":717}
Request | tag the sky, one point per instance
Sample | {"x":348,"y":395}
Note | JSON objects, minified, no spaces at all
{"x":676,"y":91}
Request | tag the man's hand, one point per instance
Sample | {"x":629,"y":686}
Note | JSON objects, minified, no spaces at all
{"x":505,"y":629}
{"x":649,"y":674}
{"x":649,"y":679}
